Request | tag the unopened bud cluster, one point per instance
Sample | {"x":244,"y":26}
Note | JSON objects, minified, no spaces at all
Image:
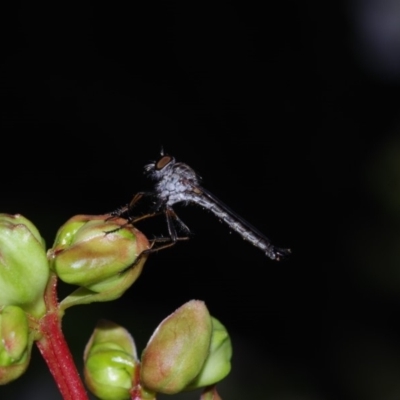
{"x":189,"y":350}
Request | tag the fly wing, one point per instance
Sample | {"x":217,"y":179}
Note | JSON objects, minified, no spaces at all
{"x":271,"y":251}
{"x":233,"y":214}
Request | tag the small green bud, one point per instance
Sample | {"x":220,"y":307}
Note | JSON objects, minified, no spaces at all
{"x":177,"y":349}
{"x":15,"y":343}
{"x":97,"y":254}
{"x":24,"y":270}
{"x":110,"y":362}
{"x":218,"y":362}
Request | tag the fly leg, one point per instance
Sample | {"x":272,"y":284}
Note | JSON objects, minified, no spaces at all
{"x":165,"y":242}
{"x":120,"y":212}
{"x":156,"y":249}
{"x":126,"y":209}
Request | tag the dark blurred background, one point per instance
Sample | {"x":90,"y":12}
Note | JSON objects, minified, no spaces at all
{"x":290,"y":111}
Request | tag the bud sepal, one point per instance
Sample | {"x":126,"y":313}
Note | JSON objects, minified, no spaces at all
{"x":218,"y":362}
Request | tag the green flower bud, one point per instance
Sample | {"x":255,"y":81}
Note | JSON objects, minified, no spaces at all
{"x":97,"y":254}
{"x":110,"y":362}
{"x":177,"y":350}
{"x":15,"y":343}
{"x":218,"y":362}
{"x":24,"y":268}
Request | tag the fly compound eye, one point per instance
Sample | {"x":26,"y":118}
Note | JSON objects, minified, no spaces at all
{"x":163,"y":162}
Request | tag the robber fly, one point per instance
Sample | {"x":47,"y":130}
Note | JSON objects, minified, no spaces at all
{"x":176,"y":182}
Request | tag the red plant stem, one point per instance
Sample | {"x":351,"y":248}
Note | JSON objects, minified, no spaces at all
{"x":210,"y":393}
{"x":136,"y":393}
{"x":55,"y":351}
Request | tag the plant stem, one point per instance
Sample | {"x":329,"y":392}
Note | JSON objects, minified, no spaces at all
{"x":55,"y":351}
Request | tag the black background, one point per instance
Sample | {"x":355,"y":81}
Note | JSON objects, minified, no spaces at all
{"x":288,"y":113}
